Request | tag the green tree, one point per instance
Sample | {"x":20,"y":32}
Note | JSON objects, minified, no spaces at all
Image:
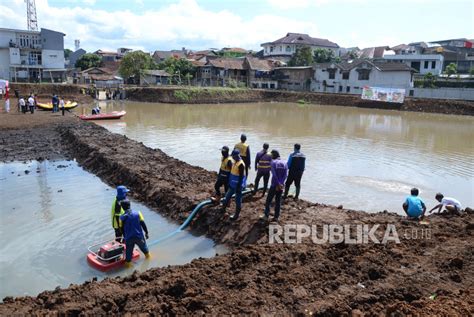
{"x":471,"y":71}
{"x":451,"y":69}
{"x":179,"y":68}
{"x":88,"y":60}
{"x":302,"y":57}
{"x":322,"y":55}
{"x":134,"y":63}
{"x":67,"y":52}
{"x":429,"y":81}
{"x":353,"y":54}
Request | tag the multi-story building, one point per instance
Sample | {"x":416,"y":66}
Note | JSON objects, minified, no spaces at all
{"x":285,"y":47}
{"x":32,"y":55}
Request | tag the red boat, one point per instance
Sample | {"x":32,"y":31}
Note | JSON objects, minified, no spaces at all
{"x":103,"y":116}
{"x":108,"y":255}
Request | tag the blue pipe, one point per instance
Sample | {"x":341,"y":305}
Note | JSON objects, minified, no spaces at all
{"x":189,"y":219}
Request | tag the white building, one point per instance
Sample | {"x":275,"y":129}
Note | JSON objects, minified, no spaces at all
{"x":351,"y":77}
{"x":31,"y":55}
{"x":285,"y":47}
{"x":423,"y":63}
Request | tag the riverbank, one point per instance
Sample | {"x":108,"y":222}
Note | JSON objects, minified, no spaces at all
{"x":200,"y":95}
{"x":417,"y":276}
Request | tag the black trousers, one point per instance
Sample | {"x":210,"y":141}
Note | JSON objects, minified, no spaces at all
{"x":247,"y":164}
{"x":296,"y":178}
{"x":221,"y":180}
{"x":266,"y":177}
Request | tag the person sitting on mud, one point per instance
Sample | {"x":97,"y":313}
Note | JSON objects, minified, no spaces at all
{"x":263,"y":160}
{"x":224,"y":173}
{"x":133,"y":225}
{"x":413,"y":206}
{"x":279,"y":174}
{"x":244,"y":150}
{"x":237,"y":182}
{"x":450,"y":204}
{"x":96,"y":110}
{"x":117,"y":211}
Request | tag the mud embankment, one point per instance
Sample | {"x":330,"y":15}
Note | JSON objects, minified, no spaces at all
{"x":227,"y":95}
{"x":44,"y":92}
{"x":416,"y":277}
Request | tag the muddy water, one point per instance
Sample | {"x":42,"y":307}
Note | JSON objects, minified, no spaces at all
{"x":48,"y":218}
{"x":362,"y":158}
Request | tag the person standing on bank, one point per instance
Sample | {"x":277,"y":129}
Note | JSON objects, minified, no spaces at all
{"x":55,"y":102}
{"x":61,"y":105}
{"x":133,"y":225}
{"x":237,"y":182}
{"x":296,"y":166}
{"x":279,"y":173}
{"x":244,"y":150}
{"x":22,"y":105}
{"x":31,"y":103}
{"x":224,"y":173}
{"x":263,"y":160}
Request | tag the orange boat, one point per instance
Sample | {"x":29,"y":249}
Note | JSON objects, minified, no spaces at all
{"x":103,"y":116}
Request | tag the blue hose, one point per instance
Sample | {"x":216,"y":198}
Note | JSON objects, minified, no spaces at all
{"x":189,"y":219}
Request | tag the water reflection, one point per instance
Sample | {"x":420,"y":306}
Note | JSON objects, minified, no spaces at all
{"x":430,"y":151}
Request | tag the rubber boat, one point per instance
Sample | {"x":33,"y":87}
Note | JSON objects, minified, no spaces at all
{"x":49,"y":106}
{"x":108,"y":255}
{"x":103,"y":116}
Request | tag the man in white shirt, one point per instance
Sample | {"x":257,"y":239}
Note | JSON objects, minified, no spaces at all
{"x":449,"y":203}
{"x":31,"y":103}
{"x":22,"y":105}
{"x":61,"y":105}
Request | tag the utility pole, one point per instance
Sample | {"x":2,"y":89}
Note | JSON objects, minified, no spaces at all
{"x":32,"y":19}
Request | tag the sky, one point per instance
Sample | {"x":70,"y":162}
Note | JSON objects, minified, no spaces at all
{"x":202,"y":24}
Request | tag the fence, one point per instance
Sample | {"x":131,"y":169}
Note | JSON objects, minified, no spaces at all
{"x":443,"y":93}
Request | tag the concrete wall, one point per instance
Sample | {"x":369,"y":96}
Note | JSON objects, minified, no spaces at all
{"x":4,"y":63}
{"x":52,"y":40}
{"x":53,"y":58}
{"x":443,"y":93}
{"x":5,"y":37}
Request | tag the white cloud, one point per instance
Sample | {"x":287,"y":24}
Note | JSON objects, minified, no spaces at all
{"x":89,"y":2}
{"x":184,"y":23}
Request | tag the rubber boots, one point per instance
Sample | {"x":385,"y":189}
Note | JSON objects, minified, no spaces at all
{"x":236,"y":215}
{"x":148,"y":255}
{"x":128,"y":265}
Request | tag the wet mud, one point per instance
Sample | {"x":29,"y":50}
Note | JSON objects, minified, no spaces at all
{"x":423,"y":276}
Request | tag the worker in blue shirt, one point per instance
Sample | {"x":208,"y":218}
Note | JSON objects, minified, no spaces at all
{"x":133,"y":225}
{"x":296,"y":165}
{"x":414,"y":207}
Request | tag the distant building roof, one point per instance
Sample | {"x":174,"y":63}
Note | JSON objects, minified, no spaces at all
{"x":259,"y":64}
{"x":161,"y":55}
{"x":101,"y":52}
{"x":303,"y":39}
{"x":227,"y":63}
{"x":234,"y":50}
{"x":373,"y":52}
{"x":157,"y":72}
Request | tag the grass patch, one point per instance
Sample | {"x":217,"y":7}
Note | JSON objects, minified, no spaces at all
{"x":187,"y":94}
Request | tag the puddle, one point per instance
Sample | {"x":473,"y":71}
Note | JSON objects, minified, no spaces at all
{"x":50,"y":214}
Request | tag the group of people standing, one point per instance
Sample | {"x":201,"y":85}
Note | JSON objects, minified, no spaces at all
{"x":233,"y":173}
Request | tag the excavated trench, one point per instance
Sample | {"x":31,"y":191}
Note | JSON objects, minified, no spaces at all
{"x":418,"y":276}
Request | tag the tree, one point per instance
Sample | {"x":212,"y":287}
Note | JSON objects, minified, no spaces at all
{"x":429,"y":81}
{"x":451,"y":69}
{"x":302,"y":57}
{"x":353,"y":54}
{"x":134,"y":63}
{"x":67,"y":52}
{"x":322,"y":55}
{"x":471,"y":71}
{"x":88,"y":60}
{"x":180,"y":67}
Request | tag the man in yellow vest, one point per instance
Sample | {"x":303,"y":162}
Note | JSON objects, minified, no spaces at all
{"x":224,"y":173}
{"x":237,"y":182}
{"x":117,"y":211}
{"x":244,"y":150}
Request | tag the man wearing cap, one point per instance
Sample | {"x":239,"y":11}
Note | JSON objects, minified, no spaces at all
{"x":237,"y":182}
{"x":244,"y":151}
{"x":117,"y":211}
{"x":224,"y":172}
{"x":279,"y":173}
{"x":133,"y":225}
{"x":262,"y":166}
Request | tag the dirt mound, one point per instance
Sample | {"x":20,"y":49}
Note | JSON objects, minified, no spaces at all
{"x":429,"y":275}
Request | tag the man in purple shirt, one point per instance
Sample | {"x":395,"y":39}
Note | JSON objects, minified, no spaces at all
{"x":262,"y":166}
{"x":279,"y":173}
